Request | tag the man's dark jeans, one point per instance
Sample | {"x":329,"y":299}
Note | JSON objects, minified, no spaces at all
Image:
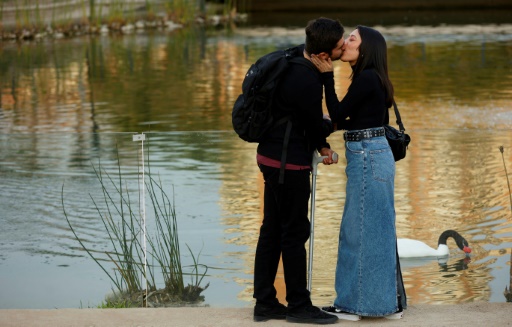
{"x":284,"y":231}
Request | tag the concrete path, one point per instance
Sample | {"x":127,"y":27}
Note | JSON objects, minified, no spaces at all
{"x":471,"y":314}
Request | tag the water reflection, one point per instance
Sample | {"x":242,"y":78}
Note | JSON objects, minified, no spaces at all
{"x":69,"y":104}
{"x":444,"y":263}
{"x":187,"y":80}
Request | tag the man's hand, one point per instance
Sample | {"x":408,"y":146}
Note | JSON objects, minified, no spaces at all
{"x":329,"y":154}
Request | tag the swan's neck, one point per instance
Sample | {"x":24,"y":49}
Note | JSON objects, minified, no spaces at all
{"x":442,"y":250}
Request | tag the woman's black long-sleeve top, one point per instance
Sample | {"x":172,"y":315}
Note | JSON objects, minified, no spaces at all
{"x":364,"y":104}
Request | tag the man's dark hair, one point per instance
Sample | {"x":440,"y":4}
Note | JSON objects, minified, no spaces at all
{"x":322,"y":35}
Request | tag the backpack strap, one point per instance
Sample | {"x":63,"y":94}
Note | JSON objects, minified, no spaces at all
{"x":301,"y":61}
{"x":285,"y":151}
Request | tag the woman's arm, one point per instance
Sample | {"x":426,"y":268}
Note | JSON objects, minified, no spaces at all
{"x":331,"y":99}
{"x":361,"y":87}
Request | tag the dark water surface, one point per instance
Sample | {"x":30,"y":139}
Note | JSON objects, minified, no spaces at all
{"x":70,"y":105}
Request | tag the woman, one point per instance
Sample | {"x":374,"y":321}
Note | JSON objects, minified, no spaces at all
{"x":368,"y":278}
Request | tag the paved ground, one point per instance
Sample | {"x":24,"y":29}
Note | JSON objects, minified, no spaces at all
{"x":471,"y":314}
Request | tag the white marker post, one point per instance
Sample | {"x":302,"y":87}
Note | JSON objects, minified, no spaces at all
{"x":142,"y":199}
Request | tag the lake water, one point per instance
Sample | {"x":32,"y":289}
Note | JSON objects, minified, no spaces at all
{"x":69,"y":106}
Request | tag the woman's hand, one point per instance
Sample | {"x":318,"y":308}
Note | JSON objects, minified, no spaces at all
{"x":323,"y":65}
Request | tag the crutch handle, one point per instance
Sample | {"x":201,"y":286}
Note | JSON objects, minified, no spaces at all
{"x":317,"y":158}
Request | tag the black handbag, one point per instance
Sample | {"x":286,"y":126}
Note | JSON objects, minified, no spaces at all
{"x":397,"y":139}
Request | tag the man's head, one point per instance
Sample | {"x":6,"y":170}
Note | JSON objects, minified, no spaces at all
{"x":324,"y":37}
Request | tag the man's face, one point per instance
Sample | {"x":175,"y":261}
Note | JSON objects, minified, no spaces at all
{"x":337,"y":51}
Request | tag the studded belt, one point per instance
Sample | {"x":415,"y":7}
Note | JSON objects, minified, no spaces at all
{"x":363,"y":134}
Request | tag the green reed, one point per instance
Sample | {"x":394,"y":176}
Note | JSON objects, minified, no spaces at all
{"x":506,"y":175}
{"x":508,"y":289}
{"x":122,"y":223}
{"x":36,"y":17}
{"x":25,"y":15}
{"x":122,"y":304}
{"x":96,"y":12}
{"x":180,"y":10}
{"x":166,"y":250}
{"x":116,"y":12}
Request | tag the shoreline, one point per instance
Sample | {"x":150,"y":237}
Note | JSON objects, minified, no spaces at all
{"x":473,"y":314}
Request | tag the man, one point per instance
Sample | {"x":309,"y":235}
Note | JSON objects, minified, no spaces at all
{"x":286,"y":227}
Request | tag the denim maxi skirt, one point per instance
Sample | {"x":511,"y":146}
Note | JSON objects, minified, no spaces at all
{"x":368,"y":278}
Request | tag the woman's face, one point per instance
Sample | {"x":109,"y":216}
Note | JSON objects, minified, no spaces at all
{"x":351,"y":48}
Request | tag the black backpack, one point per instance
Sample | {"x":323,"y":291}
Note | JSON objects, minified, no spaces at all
{"x":252,"y":116}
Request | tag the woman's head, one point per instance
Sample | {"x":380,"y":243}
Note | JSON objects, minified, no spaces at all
{"x":351,"y":48}
{"x":366,"y":48}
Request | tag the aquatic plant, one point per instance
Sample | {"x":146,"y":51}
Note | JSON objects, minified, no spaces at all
{"x":122,"y":304}
{"x":133,"y":277}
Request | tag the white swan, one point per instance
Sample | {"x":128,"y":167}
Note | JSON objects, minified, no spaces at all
{"x":408,"y":248}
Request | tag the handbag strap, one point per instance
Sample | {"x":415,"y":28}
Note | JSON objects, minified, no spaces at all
{"x":398,"y":118}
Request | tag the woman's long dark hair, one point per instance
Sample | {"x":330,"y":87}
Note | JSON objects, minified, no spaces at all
{"x":373,"y":54}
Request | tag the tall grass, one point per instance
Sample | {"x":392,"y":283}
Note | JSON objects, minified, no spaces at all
{"x":1,"y":13}
{"x":130,"y":272}
{"x":181,"y":10}
{"x":117,"y":12}
{"x":506,"y":175}
{"x":29,"y":14}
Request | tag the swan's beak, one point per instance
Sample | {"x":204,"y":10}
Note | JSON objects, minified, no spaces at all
{"x":467,"y":249}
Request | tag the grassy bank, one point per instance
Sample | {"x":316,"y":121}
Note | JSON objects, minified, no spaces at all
{"x":32,"y":20}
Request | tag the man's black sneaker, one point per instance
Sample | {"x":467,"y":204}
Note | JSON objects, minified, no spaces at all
{"x":342,"y":314}
{"x":310,"y":315}
{"x":264,"y":312}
